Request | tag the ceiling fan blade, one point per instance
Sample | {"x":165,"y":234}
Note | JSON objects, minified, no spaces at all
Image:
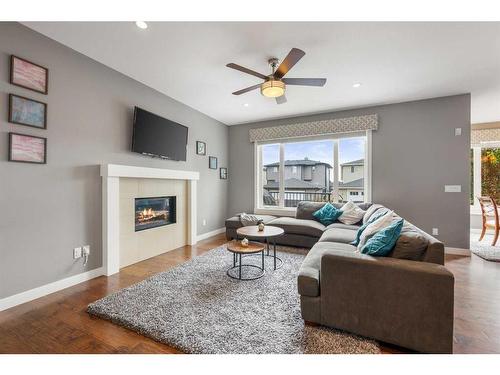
{"x":290,"y":60}
{"x":305,"y":81}
{"x":242,"y":91}
{"x":246,"y":70}
{"x":281,"y":99}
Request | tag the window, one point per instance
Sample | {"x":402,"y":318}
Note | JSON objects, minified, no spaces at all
{"x":485,"y":173}
{"x":281,"y":185}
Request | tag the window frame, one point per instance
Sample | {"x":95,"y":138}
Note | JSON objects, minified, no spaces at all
{"x":259,"y":208}
{"x":475,"y":208}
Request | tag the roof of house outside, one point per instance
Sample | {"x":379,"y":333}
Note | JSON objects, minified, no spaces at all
{"x":355,"y":184}
{"x":299,"y":162}
{"x":354,"y":162}
{"x":293,"y":183}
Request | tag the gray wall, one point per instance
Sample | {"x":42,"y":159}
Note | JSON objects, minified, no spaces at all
{"x":46,"y":210}
{"x":415,"y":153}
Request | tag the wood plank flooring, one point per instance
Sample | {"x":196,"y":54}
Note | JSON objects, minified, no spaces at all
{"x":58,"y":322}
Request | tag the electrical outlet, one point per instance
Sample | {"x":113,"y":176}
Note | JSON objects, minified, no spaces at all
{"x":204,"y":222}
{"x":86,"y":250}
{"x":77,"y":252}
{"x":435,"y":231}
{"x":458,"y":131}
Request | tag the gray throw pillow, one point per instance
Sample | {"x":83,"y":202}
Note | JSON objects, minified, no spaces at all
{"x":411,"y":245}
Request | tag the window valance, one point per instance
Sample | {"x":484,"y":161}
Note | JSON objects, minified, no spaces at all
{"x":313,"y":128}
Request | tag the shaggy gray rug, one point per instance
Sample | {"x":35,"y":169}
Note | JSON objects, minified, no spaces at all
{"x":483,"y":248}
{"x":197,"y":308}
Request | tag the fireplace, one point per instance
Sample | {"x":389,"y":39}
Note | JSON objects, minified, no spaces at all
{"x":154,"y":212}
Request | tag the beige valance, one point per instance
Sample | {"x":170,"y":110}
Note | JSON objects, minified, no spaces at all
{"x":483,"y":137}
{"x":314,"y":128}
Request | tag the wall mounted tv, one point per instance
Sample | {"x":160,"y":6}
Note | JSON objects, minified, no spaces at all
{"x":158,"y":137}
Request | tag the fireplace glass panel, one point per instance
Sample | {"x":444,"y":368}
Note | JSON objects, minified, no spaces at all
{"x":154,"y":212}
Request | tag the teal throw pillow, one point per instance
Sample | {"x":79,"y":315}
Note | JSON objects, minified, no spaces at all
{"x":382,"y":242}
{"x":327,"y":214}
{"x":363,"y":227}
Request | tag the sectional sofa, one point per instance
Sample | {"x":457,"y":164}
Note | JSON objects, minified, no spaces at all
{"x":405,"y":298}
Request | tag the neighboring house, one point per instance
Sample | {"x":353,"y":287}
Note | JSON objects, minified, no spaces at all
{"x":307,"y":179}
{"x":304,"y":180}
{"x":351,"y":185}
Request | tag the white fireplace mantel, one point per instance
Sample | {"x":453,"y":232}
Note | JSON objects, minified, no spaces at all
{"x":111,"y":174}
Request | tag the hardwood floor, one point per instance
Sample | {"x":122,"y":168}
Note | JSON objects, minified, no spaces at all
{"x":58,"y":322}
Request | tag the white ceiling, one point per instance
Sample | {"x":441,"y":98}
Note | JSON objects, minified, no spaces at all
{"x":395,"y":62}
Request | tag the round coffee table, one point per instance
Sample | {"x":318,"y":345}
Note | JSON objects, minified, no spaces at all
{"x":238,"y":250}
{"x":269,"y":233}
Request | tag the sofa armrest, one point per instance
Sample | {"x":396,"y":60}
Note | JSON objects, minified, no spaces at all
{"x":401,"y":302}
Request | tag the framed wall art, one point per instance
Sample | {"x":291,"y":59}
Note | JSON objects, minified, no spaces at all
{"x":212,"y":162}
{"x":201,"y":148}
{"x":223,"y":173}
{"x":29,"y":112}
{"x":27,"y":148}
{"x":24,"y":73}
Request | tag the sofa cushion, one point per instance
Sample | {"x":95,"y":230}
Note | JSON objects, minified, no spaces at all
{"x":338,"y":235}
{"x":308,"y":279}
{"x":327,"y":214}
{"x":234,"y":222}
{"x":298,"y":226}
{"x":343,"y":226}
{"x":305,"y":209}
{"x":411,"y":244}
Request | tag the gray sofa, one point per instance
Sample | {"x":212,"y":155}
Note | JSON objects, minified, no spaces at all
{"x":405,"y":299}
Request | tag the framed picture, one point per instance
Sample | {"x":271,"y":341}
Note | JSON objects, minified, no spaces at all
{"x":212,"y":162}
{"x":27,"y":112}
{"x":201,"y":148}
{"x":27,"y":148}
{"x":24,"y":73}
{"x":223,"y":173}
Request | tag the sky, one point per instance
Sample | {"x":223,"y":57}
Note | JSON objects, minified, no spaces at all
{"x":349,"y":149}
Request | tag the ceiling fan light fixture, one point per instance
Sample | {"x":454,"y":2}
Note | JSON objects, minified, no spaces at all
{"x":272,"y":88}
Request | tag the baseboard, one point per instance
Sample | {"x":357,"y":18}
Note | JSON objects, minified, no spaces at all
{"x":456,"y":251}
{"x":30,"y":295}
{"x":204,"y":236}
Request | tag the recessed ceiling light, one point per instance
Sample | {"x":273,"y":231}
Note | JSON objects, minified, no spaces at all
{"x":245,"y":105}
{"x":141,"y":24}
{"x":356,"y":85}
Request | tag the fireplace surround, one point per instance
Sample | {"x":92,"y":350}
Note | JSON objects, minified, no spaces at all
{"x":111,"y":175}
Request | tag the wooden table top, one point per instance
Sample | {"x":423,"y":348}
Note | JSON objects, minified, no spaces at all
{"x":253,"y":247}
{"x":253,"y":231}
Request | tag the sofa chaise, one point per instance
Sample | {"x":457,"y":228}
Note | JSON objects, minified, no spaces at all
{"x":405,"y":298}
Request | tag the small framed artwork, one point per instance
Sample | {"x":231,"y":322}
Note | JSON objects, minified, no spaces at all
{"x":27,"y":148}
{"x":201,"y":148}
{"x":29,"y":112}
{"x":24,"y":73}
{"x":223,"y":173}
{"x":212,"y":162}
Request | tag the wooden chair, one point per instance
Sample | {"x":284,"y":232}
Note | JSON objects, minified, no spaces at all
{"x":489,"y":210}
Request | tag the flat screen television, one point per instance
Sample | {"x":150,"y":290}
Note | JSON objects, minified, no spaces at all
{"x":156,"y":136}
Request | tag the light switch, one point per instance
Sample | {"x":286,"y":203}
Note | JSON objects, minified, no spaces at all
{"x":458,"y":131}
{"x":452,"y":188}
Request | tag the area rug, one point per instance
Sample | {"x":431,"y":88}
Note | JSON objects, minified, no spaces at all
{"x":483,"y":248}
{"x":196,"y":308}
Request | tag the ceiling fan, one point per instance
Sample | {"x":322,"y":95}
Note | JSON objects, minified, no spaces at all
{"x":274,"y":85}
